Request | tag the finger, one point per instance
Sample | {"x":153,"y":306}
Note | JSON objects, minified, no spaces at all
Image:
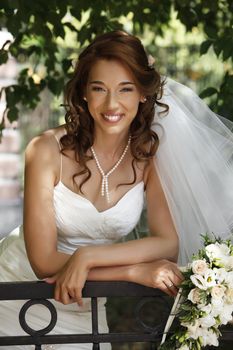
{"x":179,"y":275}
{"x":171,"y":287}
{"x":176,"y":281}
{"x":65,"y":297}
{"x":78,"y":296}
{"x":174,"y":290}
{"x":57,"y":293}
{"x":171,"y":284}
{"x":175,"y":277}
{"x":165,"y":289}
{"x":71,"y":294}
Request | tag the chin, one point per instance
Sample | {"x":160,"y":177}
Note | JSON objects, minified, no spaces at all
{"x":116,"y":130}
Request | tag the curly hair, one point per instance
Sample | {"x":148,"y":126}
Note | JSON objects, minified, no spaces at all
{"x":127,"y":49}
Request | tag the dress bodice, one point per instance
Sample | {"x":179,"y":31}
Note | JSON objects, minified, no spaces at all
{"x":79,"y":223}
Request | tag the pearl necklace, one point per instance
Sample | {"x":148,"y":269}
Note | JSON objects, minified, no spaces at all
{"x":104,"y":185}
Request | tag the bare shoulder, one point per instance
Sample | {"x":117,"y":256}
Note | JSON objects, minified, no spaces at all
{"x":45,"y":146}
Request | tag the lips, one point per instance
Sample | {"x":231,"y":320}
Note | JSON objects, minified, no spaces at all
{"x":112,"y":118}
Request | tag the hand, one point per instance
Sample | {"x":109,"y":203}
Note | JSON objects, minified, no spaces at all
{"x":70,"y":279}
{"x":162,"y":274}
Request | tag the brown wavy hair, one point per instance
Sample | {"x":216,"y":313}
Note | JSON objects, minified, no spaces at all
{"x":123,"y":47}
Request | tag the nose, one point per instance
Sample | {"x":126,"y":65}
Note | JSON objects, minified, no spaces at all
{"x":112,"y":101}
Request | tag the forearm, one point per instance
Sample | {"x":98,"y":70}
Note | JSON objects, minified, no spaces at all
{"x":129,"y":253}
{"x":152,"y":274}
{"x":110,"y":256}
{"x":112,"y":273}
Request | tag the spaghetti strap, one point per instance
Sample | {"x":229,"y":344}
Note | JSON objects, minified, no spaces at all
{"x":59,"y":145}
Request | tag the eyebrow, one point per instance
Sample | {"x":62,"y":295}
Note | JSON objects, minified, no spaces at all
{"x":102,"y":83}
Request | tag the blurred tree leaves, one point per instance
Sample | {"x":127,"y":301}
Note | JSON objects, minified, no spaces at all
{"x":39,"y":26}
{"x":216,"y":19}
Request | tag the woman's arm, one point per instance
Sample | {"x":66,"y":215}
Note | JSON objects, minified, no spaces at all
{"x":42,"y":164}
{"x":162,"y":274}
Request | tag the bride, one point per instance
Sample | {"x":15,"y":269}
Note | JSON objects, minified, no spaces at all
{"x":130,"y":138}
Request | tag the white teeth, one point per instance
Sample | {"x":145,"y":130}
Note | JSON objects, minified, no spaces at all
{"x":112,"y":118}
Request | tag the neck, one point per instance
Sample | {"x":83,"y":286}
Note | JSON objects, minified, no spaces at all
{"x":110,"y":145}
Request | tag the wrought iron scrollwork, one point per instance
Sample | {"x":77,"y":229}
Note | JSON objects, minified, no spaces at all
{"x":27,"y":328}
{"x":38,"y":333}
{"x":156,"y":329}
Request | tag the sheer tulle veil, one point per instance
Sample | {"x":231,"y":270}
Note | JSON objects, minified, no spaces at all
{"x":195,"y":165}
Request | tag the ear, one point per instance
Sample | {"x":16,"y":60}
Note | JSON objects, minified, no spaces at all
{"x":85,"y":99}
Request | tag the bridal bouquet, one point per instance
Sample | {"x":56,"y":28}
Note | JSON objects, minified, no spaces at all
{"x":205,"y":299}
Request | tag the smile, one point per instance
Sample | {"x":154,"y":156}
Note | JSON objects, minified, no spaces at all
{"x":113,"y":118}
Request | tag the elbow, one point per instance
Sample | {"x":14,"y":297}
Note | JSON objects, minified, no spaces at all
{"x":40,"y":269}
{"x":40,"y":272}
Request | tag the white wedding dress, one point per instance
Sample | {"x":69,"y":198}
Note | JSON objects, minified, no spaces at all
{"x":78,"y":223}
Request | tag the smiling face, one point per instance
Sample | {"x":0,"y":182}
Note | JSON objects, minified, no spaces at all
{"x":112,"y":97}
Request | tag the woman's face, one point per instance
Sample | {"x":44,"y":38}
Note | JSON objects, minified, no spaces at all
{"x":112,"y":96}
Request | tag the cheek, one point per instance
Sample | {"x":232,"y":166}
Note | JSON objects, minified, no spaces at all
{"x":133,"y":106}
{"x":94,"y":104}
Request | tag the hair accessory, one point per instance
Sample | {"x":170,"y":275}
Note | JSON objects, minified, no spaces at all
{"x":104,"y":186}
{"x":151,"y":60}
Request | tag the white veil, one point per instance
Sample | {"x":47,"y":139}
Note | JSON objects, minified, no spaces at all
{"x":195,"y":164}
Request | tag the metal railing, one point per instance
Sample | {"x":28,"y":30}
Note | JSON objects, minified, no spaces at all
{"x":39,"y":292}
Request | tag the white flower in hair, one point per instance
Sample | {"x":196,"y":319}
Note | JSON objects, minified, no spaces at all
{"x":151,"y":60}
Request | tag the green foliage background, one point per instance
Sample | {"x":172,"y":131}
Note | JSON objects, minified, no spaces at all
{"x":52,"y":33}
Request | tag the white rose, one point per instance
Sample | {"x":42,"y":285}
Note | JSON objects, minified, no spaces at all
{"x":194,"y":296}
{"x":229,"y":279}
{"x":229,"y":263}
{"x":217,"y":304}
{"x":221,"y":274}
{"x":226,"y":314}
{"x":208,"y":337}
{"x":193,"y":330}
{"x":206,"y":308}
{"x":229,"y":296}
{"x":218,"y":292}
{"x":199,"y":267}
{"x":216,"y":307}
{"x":218,"y":253}
{"x":207,"y":321}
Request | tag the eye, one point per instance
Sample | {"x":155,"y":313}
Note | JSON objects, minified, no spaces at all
{"x":127,"y":89}
{"x":97,"y":88}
